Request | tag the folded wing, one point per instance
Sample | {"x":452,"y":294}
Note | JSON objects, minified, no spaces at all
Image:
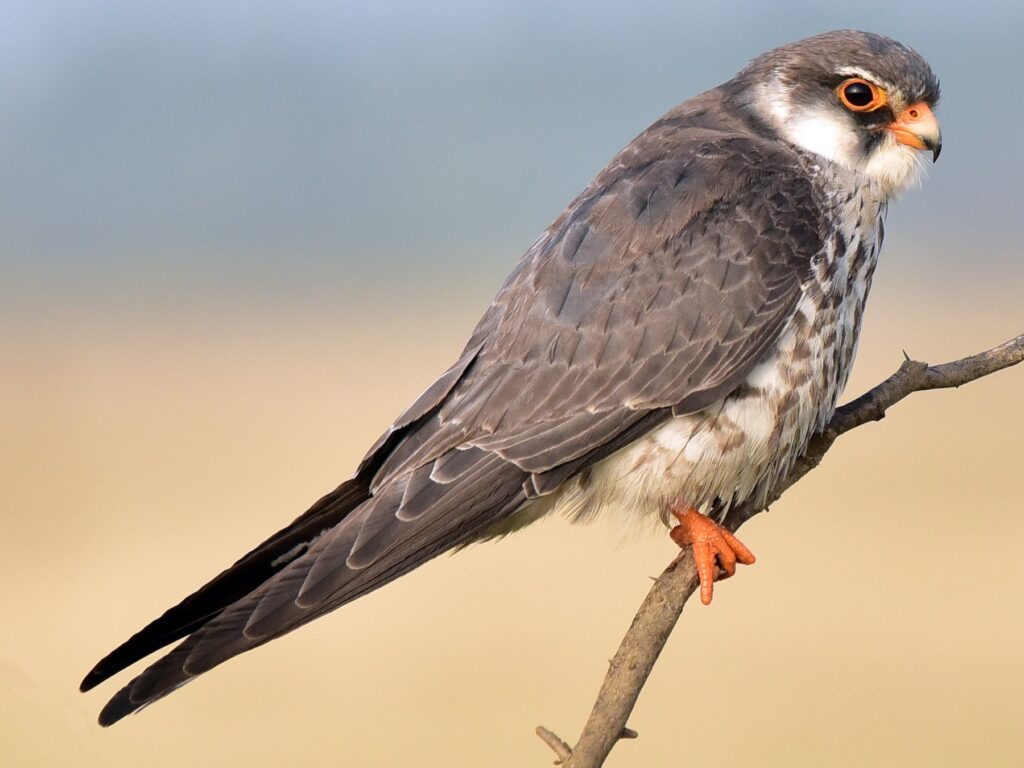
{"x":656,"y":293}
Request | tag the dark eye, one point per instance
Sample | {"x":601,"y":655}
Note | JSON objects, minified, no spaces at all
{"x":859,"y":95}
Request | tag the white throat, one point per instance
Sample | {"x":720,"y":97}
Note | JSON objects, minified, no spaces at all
{"x":825,"y":131}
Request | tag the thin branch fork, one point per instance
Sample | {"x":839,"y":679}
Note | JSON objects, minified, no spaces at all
{"x":660,"y":610}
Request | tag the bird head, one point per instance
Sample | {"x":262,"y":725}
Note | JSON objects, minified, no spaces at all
{"x":861,"y":100}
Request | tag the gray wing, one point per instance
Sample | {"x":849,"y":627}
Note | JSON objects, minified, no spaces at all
{"x":656,"y":292}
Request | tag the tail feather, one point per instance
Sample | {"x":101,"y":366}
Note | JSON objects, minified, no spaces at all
{"x":301,"y":591}
{"x":241,"y":579}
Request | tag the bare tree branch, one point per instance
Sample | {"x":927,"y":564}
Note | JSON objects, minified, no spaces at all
{"x":559,"y":747}
{"x":660,"y":610}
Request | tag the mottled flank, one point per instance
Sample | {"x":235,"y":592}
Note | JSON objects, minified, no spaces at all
{"x":738,"y":447}
{"x":675,"y":337}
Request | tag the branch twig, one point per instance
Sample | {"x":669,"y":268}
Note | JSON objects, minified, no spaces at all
{"x":663,"y":605}
{"x":559,"y":747}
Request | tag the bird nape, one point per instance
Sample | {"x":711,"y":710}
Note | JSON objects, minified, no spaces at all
{"x":667,"y":347}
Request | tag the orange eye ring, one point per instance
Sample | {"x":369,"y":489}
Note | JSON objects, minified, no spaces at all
{"x":860,"y":95}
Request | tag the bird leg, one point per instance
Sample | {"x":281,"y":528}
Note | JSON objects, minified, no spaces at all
{"x":709,"y":541}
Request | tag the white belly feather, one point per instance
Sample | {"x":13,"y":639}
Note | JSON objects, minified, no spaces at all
{"x":734,"y":446}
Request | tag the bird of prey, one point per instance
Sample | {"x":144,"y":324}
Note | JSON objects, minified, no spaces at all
{"x":666,"y":348}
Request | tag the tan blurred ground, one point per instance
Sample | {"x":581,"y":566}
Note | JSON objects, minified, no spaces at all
{"x":882,"y":625}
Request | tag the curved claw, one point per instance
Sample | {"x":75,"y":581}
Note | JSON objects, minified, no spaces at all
{"x":710,"y":542}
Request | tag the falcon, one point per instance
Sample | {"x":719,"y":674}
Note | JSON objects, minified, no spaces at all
{"x":665,"y":350}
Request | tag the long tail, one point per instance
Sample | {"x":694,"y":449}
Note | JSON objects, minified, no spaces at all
{"x":349,"y":544}
{"x":236,"y":582}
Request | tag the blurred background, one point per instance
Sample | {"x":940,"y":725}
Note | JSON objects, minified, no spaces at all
{"x":236,"y":239}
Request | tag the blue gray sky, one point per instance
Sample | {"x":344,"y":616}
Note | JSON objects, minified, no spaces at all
{"x":167,"y":154}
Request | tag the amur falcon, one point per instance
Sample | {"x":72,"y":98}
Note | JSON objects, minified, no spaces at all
{"x":665,"y":349}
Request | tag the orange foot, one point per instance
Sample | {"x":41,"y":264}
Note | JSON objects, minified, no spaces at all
{"x":709,"y":540}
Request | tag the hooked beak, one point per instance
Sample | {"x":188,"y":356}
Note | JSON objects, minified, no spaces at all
{"x":917,"y":127}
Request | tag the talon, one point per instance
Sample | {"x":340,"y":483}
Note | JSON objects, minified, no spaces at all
{"x":710,"y":542}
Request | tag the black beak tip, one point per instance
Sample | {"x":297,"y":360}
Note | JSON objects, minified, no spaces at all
{"x":936,"y":150}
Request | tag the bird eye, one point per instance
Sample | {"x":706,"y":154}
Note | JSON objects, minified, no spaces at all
{"x":859,"y":95}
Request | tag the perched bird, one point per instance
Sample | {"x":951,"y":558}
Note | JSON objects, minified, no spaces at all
{"x":666,"y":348}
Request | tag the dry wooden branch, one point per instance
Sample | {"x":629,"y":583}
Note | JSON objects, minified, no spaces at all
{"x":559,"y":747}
{"x":663,"y":605}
